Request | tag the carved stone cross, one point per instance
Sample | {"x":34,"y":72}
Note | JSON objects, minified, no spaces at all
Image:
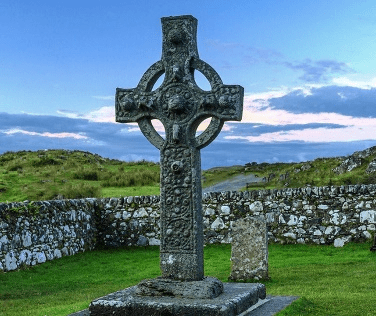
{"x":181,"y":106}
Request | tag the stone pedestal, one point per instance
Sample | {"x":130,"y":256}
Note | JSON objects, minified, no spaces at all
{"x":235,"y":299}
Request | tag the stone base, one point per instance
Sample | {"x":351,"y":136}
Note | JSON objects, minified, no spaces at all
{"x":209,"y":288}
{"x":235,"y":299}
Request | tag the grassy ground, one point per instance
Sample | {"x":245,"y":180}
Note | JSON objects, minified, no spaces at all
{"x":329,"y":281}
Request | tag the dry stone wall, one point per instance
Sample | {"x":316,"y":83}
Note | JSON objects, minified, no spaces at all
{"x":46,"y":230}
{"x":321,"y":215}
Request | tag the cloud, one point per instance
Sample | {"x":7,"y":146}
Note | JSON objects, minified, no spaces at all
{"x":350,"y":101}
{"x":314,"y":71}
{"x":46,"y":134}
{"x":318,"y":71}
{"x":248,"y":54}
{"x":341,"y":114}
{"x":103,"y":114}
{"x":319,"y":135}
{"x":362,"y":84}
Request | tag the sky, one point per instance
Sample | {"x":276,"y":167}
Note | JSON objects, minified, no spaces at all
{"x":307,"y":68}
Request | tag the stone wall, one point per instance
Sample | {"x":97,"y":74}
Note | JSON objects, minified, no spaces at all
{"x":34,"y":233}
{"x":321,"y":215}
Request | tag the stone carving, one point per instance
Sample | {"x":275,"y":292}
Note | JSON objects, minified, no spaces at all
{"x":181,"y":106}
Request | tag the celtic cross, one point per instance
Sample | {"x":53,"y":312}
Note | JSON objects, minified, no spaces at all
{"x":181,"y":106}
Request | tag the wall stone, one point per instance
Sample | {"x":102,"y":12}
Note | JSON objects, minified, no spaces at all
{"x":320,"y":215}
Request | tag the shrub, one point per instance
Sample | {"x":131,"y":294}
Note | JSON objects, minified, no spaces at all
{"x":86,"y":175}
{"x":74,"y":191}
{"x":135,"y":178}
{"x":15,"y":167}
{"x":43,"y":161}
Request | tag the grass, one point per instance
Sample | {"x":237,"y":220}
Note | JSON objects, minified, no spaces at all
{"x":328,"y":280}
{"x":44,"y":175}
{"x":130,"y":191}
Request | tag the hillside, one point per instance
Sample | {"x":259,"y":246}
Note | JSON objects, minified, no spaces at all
{"x":358,"y":168}
{"x":56,"y":174}
{"x":52,"y":174}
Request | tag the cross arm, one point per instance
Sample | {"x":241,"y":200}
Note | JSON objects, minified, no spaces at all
{"x":132,"y":105}
{"x":225,"y":102}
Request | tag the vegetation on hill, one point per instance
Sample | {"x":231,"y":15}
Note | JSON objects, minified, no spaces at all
{"x":358,"y":168}
{"x":57,"y":174}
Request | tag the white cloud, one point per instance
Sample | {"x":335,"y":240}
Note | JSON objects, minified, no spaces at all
{"x":103,"y":114}
{"x":362,"y":84}
{"x":322,"y":135}
{"x":46,"y":134}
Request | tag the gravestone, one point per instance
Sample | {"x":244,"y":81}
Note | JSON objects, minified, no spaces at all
{"x":373,"y":248}
{"x":180,"y":105}
{"x":249,"y":249}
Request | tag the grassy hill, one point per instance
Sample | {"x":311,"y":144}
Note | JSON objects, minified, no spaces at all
{"x":358,"y":168}
{"x":51,"y":174}
{"x":56,"y":174}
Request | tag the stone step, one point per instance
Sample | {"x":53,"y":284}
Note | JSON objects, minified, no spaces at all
{"x":235,"y":299}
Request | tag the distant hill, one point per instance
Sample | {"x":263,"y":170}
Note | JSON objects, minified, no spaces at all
{"x":358,"y":168}
{"x":57,"y":174}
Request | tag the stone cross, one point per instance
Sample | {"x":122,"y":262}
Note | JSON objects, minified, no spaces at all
{"x":181,"y":106}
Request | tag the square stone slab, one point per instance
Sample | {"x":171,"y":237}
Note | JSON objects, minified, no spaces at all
{"x":235,"y":299}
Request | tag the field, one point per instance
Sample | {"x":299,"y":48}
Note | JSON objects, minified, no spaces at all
{"x":328,"y":280}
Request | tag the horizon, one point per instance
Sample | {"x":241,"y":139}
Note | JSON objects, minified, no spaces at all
{"x":307,"y":69}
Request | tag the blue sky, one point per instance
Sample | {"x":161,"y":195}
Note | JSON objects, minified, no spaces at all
{"x":307,"y":67}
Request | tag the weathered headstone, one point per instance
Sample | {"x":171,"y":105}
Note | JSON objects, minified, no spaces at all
{"x":249,"y":249}
{"x":181,"y":106}
{"x":373,"y":248}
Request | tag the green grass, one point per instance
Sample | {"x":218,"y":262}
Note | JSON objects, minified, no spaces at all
{"x":130,"y":191}
{"x":328,"y":280}
{"x":44,"y":175}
